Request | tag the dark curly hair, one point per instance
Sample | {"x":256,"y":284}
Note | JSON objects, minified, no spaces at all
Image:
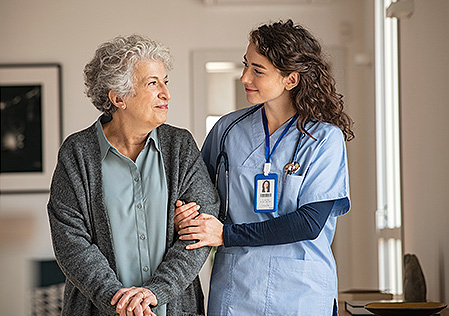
{"x":290,"y":47}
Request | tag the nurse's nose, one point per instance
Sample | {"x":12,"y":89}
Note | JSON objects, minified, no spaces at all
{"x":245,"y":78}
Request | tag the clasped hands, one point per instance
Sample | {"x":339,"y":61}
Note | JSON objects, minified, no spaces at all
{"x":203,"y":228}
{"x":134,"y":301}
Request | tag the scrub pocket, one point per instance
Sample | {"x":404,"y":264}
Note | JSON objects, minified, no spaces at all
{"x":288,"y":200}
{"x":298,"y":287}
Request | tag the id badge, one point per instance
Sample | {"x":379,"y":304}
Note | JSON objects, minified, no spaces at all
{"x":265,"y":195}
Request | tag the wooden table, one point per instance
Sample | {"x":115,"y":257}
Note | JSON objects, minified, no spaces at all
{"x":343,"y":312}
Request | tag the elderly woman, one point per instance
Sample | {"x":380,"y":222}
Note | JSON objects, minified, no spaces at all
{"x":114,"y":189}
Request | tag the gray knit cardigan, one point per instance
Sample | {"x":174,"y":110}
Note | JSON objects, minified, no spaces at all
{"x":81,"y":232}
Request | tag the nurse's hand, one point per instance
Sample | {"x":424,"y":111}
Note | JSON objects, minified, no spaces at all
{"x":185,"y":212}
{"x":205,"y":228}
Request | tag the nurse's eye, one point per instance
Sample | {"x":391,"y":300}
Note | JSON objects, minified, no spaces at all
{"x":258,"y":72}
{"x":245,"y":64}
{"x":166,"y":82}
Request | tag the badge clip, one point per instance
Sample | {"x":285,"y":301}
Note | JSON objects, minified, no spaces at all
{"x":266,"y":168}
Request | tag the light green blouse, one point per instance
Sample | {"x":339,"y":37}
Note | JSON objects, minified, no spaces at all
{"x":135,"y":196}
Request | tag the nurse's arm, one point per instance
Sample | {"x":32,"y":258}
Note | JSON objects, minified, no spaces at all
{"x":206,"y":229}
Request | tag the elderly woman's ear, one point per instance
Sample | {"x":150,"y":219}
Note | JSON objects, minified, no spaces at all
{"x":116,"y":100}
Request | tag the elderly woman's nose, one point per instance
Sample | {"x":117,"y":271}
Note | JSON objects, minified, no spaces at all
{"x":165,"y":93}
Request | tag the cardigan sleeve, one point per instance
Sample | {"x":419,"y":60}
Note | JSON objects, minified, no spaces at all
{"x":74,"y":242}
{"x":187,"y":180}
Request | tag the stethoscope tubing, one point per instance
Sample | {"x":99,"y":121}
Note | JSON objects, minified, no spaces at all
{"x":223,"y":156}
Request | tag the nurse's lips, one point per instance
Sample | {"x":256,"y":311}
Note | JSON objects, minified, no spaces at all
{"x":248,"y":90}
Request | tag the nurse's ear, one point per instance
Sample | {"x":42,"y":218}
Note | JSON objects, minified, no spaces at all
{"x":292,"y":80}
{"x":116,"y":100}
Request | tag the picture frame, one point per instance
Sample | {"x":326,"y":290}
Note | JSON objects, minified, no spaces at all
{"x":31,"y":126}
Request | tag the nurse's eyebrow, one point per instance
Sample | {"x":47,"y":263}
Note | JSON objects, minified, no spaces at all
{"x":254,"y":64}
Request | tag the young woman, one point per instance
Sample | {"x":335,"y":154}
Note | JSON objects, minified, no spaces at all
{"x":275,"y":254}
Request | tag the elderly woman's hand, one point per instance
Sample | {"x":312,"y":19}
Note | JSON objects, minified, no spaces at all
{"x":205,"y":228}
{"x":134,"y":301}
{"x":185,"y":212}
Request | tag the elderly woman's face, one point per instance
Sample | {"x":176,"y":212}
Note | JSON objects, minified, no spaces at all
{"x":149,"y":104}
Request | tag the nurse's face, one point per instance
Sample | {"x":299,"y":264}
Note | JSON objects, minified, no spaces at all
{"x":266,"y":185}
{"x":263,"y":81}
{"x":148,"y":106}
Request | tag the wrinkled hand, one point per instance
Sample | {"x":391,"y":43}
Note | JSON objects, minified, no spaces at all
{"x":134,"y":301}
{"x":205,"y":228}
{"x":185,"y":212}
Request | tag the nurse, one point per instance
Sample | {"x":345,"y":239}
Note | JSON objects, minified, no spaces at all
{"x":274,"y":255}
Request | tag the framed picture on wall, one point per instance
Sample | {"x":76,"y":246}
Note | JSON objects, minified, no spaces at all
{"x":30,"y":106}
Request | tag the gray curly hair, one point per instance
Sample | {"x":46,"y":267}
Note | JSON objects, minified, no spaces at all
{"x":112,"y":68}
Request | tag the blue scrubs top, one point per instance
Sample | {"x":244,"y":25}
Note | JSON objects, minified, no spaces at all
{"x":292,"y":279}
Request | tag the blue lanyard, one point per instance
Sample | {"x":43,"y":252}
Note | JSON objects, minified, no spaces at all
{"x":269,"y":153}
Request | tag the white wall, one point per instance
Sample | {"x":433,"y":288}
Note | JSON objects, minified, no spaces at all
{"x":68,"y":32}
{"x":355,"y":245}
{"x":424,"y":39}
